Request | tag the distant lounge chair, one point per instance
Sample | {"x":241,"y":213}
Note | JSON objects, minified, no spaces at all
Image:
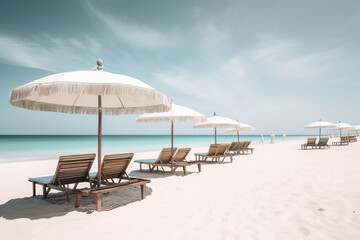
{"x":352,"y":138}
{"x":216,"y":152}
{"x":244,"y":146}
{"x":323,"y":143}
{"x":211,"y":153}
{"x":70,"y":170}
{"x":165,"y":159}
{"x":311,"y":142}
{"x":344,"y":140}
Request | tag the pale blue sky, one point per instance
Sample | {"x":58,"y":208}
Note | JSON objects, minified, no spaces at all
{"x":276,"y":65}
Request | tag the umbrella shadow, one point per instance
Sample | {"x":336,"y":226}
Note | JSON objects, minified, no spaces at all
{"x":56,"y":204}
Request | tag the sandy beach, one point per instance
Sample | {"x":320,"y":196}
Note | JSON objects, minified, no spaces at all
{"x":279,"y":192}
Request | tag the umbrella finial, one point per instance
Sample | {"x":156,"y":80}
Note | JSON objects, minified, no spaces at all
{"x":100,"y":65}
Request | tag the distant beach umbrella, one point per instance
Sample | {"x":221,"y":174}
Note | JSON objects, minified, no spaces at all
{"x":217,"y":122}
{"x":176,"y":114}
{"x":355,"y":128}
{"x":243,"y":127}
{"x":342,"y":126}
{"x":320,"y":124}
{"x":272,"y":136}
{"x":90,"y":92}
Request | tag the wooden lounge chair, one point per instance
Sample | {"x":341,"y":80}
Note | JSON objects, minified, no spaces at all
{"x":244,"y":147}
{"x":112,"y":167}
{"x":216,"y":152}
{"x":344,"y":140}
{"x":165,"y":157}
{"x":323,"y":143}
{"x":212,"y":152}
{"x":233,"y":149}
{"x":311,"y":142}
{"x":70,"y":170}
{"x":352,"y":138}
{"x":247,"y":148}
{"x":177,"y":161}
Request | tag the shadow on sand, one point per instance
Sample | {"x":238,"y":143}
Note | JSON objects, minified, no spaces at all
{"x":56,"y":204}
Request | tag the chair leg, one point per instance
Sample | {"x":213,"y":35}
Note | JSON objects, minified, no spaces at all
{"x":78,"y":199}
{"x":34,"y":189}
{"x":44,"y":191}
{"x":199,"y":167}
{"x":143,"y":191}
{"x":140,"y":167}
{"x":184,"y":169}
{"x":98,"y":201}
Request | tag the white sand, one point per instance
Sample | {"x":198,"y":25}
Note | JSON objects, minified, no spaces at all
{"x":279,"y":192}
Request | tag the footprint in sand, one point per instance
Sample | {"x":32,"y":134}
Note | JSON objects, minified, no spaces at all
{"x":304,"y":231}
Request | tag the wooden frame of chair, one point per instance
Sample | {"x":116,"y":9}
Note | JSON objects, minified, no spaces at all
{"x":344,"y":140}
{"x":71,"y":169}
{"x":311,"y":142}
{"x":323,"y":143}
{"x":165,"y":157}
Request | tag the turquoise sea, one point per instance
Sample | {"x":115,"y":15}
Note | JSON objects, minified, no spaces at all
{"x":15,"y":148}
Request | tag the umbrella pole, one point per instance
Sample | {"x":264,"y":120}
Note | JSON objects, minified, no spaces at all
{"x":238,"y":136}
{"x":99,"y":140}
{"x":319,"y":133}
{"x":172,"y":137}
{"x":215,"y":135}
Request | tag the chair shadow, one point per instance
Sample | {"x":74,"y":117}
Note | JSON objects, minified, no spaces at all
{"x":156,"y":174}
{"x":56,"y":204}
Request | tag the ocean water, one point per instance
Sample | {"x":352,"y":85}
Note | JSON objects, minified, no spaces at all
{"x":16,"y":148}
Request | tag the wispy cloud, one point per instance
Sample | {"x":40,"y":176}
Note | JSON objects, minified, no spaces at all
{"x":44,"y":51}
{"x":135,"y":34}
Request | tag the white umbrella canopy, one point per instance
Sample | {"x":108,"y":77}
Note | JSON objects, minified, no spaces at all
{"x":90,"y":92}
{"x":243,"y":127}
{"x":176,"y":114}
{"x":217,"y":122}
{"x":320,"y":124}
{"x":341,"y":126}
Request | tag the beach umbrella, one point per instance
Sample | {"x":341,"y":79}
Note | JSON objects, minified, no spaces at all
{"x":341,"y":126}
{"x":356,"y":128}
{"x":217,"y":122}
{"x":320,"y":124}
{"x":243,"y":127}
{"x":176,"y":114}
{"x":90,"y":92}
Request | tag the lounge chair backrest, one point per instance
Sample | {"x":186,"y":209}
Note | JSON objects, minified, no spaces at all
{"x":73,"y":169}
{"x":247,"y":144}
{"x":242,"y":145}
{"x":323,"y":141}
{"x":344,"y":139}
{"x":181,"y":154}
{"x":165,"y":155}
{"x":223,"y":148}
{"x":213,"y":149}
{"x":114,"y":166}
{"x":233,"y":146}
{"x":311,"y":141}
